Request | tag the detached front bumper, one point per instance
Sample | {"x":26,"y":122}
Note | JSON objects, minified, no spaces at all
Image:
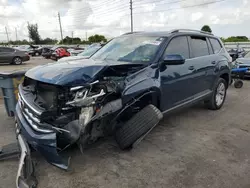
{"x":44,"y":143}
{"x":25,"y":174}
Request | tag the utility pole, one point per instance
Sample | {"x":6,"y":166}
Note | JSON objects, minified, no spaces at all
{"x":16,"y":33}
{"x":86,"y":35}
{"x":7,"y":34}
{"x":59,"y":19}
{"x":72,"y":35}
{"x":28,"y":30}
{"x":131,"y":15}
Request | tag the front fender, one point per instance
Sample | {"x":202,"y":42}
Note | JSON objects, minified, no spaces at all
{"x":143,"y":81}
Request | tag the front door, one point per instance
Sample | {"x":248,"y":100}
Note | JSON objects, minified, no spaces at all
{"x":176,"y":80}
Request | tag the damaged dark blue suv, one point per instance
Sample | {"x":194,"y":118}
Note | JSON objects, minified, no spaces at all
{"x":122,"y":90}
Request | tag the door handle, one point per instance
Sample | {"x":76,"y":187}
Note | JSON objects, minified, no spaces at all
{"x":191,"y":68}
{"x":213,"y":62}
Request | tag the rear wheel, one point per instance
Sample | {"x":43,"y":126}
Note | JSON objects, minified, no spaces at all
{"x":218,"y":97}
{"x":136,"y":128}
{"x":17,"y":61}
{"x":37,"y":54}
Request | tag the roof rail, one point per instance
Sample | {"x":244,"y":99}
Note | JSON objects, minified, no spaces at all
{"x":190,"y":30}
{"x":131,"y":32}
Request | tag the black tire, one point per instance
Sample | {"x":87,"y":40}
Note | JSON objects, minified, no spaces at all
{"x":211,"y":103}
{"x":238,"y":84}
{"x":138,"y":126}
{"x":17,"y":61}
{"x":231,"y":81}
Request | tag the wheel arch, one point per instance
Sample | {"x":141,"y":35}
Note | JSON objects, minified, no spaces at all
{"x":226,"y":76}
{"x":146,"y":90}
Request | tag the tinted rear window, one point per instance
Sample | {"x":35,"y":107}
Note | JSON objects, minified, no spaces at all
{"x":216,"y":45}
{"x":7,"y":50}
{"x":199,"y":46}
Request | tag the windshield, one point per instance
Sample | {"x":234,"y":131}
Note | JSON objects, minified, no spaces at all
{"x":89,"y":51}
{"x":130,"y":48}
{"x":247,"y":55}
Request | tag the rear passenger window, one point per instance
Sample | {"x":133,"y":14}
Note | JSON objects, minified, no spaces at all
{"x":7,"y":50}
{"x":199,"y":46}
{"x":178,"y":45}
{"x":216,"y":45}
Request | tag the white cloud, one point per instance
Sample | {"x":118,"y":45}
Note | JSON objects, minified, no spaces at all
{"x":111,"y":17}
{"x":196,"y":16}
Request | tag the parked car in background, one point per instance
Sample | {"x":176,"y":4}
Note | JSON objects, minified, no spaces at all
{"x":75,"y":52}
{"x":13,"y":56}
{"x":236,"y":53}
{"x":48,"y":52}
{"x":45,"y":51}
{"x":24,"y":48}
{"x":36,"y":51}
{"x":83,"y":55}
{"x":243,"y":62}
{"x":59,"y":53}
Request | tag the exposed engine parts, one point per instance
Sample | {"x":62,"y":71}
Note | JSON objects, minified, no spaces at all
{"x":80,"y":110}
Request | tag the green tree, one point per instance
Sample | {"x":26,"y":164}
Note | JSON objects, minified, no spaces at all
{"x":236,"y":39}
{"x":66,"y":40}
{"x":206,"y":28}
{"x":76,"y":40}
{"x":85,"y":42}
{"x":33,"y":33}
{"x":48,"y":41}
{"x":97,"y":38}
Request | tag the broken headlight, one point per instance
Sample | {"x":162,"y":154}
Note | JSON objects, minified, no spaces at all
{"x":84,"y":97}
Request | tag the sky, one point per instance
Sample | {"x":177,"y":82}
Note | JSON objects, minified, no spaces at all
{"x":111,"y":18}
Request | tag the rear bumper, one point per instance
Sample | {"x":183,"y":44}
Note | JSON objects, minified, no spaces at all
{"x":45,"y":143}
{"x":26,"y":58}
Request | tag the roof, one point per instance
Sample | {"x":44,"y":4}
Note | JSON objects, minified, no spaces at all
{"x":171,"y":32}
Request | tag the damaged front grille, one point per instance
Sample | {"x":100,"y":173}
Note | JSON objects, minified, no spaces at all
{"x":41,"y":104}
{"x":30,"y":114}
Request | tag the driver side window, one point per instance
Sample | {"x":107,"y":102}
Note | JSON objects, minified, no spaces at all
{"x":178,"y":46}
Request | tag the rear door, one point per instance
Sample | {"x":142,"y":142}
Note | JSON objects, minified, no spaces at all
{"x":6,"y":54}
{"x":201,"y":59}
{"x":1,"y":55}
{"x":216,"y":57}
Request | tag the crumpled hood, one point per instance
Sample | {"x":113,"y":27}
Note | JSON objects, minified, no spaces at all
{"x":70,"y":73}
{"x":72,"y":58}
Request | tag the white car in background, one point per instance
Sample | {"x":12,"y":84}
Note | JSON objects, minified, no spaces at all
{"x":83,"y":55}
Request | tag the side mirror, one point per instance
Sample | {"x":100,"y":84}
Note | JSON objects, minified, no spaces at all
{"x":173,"y":60}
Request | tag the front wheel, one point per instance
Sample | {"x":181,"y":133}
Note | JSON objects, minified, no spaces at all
{"x":137,"y":127}
{"x":218,"y":97}
{"x":17,"y":61}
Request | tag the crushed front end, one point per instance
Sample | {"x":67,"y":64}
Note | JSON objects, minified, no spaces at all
{"x":35,"y":110}
{"x":52,"y":117}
